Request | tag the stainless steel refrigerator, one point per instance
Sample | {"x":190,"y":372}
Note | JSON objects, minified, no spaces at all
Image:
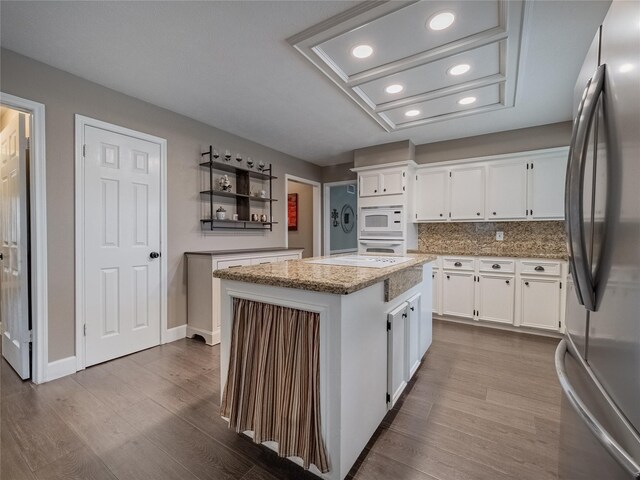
{"x":598,"y":361}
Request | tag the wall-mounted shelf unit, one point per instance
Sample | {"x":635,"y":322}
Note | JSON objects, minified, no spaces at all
{"x":242,"y":196}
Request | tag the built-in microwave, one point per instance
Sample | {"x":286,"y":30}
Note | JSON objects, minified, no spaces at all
{"x":381,"y":222}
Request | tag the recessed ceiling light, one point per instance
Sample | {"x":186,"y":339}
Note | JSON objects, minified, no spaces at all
{"x":467,"y":100}
{"x":441,"y":20}
{"x":395,"y":88}
{"x":362,"y":51}
{"x":459,"y":69}
{"x":412,"y":113}
{"x":626,"y":67}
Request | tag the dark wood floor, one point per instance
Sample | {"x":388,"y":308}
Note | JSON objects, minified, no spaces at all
{"x":484,"y":405}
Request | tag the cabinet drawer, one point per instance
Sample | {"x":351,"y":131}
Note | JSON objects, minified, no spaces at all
{"x":284,"y":258}
{"x":238,"y":262}
{"x":456,"y":263}
{"x":532,"y":267}
{"x":261,"y":260}
{"x":497,"y":266}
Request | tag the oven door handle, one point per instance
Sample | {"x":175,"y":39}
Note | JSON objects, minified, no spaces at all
{"x":604,"y":437}
{"x":381,"y":243}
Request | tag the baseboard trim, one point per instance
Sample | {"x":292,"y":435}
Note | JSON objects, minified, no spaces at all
{"x":175,"y":333}
{"x":60,"y":368}
{"x":498,"y":326}
{"x":210,"y":338}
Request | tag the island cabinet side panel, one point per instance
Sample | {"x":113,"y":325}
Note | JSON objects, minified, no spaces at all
{"x":426,"y":309}
{"x":329,"y":307}
{"x":364,"y":369}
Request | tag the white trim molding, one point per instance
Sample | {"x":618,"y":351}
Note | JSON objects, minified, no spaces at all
{"x":38,"y":214}
{"x":175,"y":333}
{"x":80,"y":123}
{"x":60,"y":368}
{"x":317,"y":211}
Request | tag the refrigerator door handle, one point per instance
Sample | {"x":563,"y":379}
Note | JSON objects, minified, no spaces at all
{"x":605,"y":439}
{"x":574,"y":189}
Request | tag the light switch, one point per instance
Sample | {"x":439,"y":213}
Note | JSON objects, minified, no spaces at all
{"x":499,"y":236}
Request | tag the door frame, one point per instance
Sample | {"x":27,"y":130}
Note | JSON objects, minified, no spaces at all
{"x":38,"y":242}
{"x":81,"y":122}
{"x":317,"y":214}
{"x":326,"y":219}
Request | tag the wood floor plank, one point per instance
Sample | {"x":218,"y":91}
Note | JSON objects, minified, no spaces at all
{"x":380,"y":467}
{"x":536,"y":407}
{"x":12,"y":463}
{"x":10,"y":381}
{"x":41,"y":435}
{"x":80,"y":464}
{"x":201,"y":454}
{"x":257,"y":473}
{"x":109,"y":389}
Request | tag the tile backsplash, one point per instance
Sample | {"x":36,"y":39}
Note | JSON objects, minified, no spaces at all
{"x":521,"y":239}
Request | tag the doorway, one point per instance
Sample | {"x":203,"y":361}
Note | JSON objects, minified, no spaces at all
{"x":303,"y":215}
{"x":340,"y":217}
{"x":23,"y":237}
{"x":120,"y":232}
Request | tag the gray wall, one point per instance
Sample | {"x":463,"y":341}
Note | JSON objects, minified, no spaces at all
{"x":303,"y":237}
{"x":385,"y":153}
{"x":339,"y":240}
{"x":64,"y":95}
{"x":338,"y":173}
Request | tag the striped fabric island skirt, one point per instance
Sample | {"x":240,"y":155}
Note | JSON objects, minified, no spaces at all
{"x":273,"y":382}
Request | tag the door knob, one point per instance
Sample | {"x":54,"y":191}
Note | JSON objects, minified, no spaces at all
{"x":154,"y":255}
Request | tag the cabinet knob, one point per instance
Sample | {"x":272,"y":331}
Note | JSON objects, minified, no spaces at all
{"x":526,"y":283}
{"x":375,"y":191}
{"x":539,"y":268}
{"x":496,"y":266}
{"x":478,"y":213}
{"x":404,"y":315}
{"x":384,"y":189}
{"x":440,"y":214}
{"x":457,"y":264}
{"x":494,"y":213}
{"x":507,"y":282}
{"x":413,"y":309}
{"x":448,"y":277}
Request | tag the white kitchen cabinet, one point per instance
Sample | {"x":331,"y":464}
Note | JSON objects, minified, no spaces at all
{"x":432,"y":195}
{"x":396,"y":353}
{"x":467,"y":187}
{"x":458,"y":293}
{"x":507,"y":189}
{"x":203,"y":291}
{"x":369,"y":184}
{"x":392,"y":181}
{"x":540,"y":302}
{"x":496,"y":298}
{"x":546,"y":187}
{"x":413,"y":336}
{"x":436,"y":282}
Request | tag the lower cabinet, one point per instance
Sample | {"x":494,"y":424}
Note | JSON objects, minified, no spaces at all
{"x":540,"y":302}
{"x":496,"y":298}
{"x":413,"y":336}
{"x":458,"y":293}
{"x":396,"y":352}
{"x":519,"y":292}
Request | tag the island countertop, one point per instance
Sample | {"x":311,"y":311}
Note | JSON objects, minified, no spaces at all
{"x":301,"y":274}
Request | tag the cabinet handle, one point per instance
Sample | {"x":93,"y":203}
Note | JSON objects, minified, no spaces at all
{"x":404,"y":315}
{"x":234,"y":266}
{"x":507,"y":282}
{"x":413,"y":309}
{"x":526,"y":283}
{"x":496,"y":266}
{"x":264,"y":263}
{"x":457,"y":264}
{"x":539,"y":268}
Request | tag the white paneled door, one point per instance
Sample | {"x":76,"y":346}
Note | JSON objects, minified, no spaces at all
{"x":14,"y":286}
{"x":122,"y":274}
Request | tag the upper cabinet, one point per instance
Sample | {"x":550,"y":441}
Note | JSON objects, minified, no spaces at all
{"x":546,"y":187}
{"x":467,"y":192}
{"x":382,"y":182}
{"x":432,"y":194}
{"x":507,"y":190}
{"x":524,"y":186}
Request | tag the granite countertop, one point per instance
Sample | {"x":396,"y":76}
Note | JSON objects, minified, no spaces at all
{"x":300,"y":274}
{"x":243,"y":251}
{"x":549,"y":256}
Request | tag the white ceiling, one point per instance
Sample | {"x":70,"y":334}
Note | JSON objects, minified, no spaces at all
{"x":228,"y":64}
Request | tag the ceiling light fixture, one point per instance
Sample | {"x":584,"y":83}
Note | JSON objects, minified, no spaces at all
{"x":395,"y":88}
{"x":467,"y":100}
{"x":440,"y":21}
{"x":459,"y":69}
{"x":362,"y":51}
{"x":412,"y":113}
{"x":626,"y":67}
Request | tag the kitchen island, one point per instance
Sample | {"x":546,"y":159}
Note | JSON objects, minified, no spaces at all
{"x":348,"y":339}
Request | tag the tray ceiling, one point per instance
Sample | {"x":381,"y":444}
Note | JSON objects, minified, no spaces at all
{"x":389,"y":60}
